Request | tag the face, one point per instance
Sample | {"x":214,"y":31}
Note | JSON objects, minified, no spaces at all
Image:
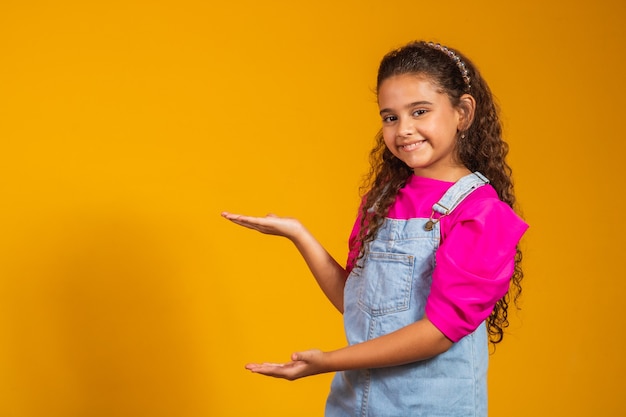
{"x":420,"y":126}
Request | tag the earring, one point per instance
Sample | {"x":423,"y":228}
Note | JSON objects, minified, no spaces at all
{"x":462,"y":135}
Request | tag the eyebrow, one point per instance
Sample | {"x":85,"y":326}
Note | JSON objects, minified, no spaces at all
{"x":415,"y":103}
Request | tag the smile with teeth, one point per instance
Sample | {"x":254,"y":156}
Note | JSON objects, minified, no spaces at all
{"x":412,"y":146}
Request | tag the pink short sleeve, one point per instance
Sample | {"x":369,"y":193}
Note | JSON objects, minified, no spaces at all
{"x":354,"y":246}
{"x":474,"y":265}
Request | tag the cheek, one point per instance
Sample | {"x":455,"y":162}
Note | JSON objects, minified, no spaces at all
{"x":389,"y":133}
{"x":389,"y":138}
{"x":442,"y":130}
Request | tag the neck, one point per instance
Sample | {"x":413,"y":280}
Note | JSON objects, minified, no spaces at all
{"x":452,"y":174}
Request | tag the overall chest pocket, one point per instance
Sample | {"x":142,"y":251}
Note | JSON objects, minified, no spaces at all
{"x":385,"y":283}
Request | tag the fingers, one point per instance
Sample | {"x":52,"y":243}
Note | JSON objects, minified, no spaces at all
{"x":237,"y":218}
{"x":244,"y":220}
{"x":302,"y":364}
{"x":265,"y":364}
{"x":288,"y":370}
{"x":270,"y":224}
{"x":256,"y":223}
{"x":276,"y":370}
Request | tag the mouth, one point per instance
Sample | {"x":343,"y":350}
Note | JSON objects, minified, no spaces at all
{"x":412,"y":146}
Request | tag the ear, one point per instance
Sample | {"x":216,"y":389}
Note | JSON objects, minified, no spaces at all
{"x":466,"y":109}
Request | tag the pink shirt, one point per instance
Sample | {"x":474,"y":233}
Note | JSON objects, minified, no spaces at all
{"x":475,"y":260}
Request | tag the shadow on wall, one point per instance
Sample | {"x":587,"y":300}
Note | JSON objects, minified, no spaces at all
{"x":99,"y":325}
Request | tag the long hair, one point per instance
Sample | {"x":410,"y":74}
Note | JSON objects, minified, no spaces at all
{"x":480,"y":149}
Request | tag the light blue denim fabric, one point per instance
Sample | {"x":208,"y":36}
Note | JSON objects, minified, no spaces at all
{"x":389,"y":292}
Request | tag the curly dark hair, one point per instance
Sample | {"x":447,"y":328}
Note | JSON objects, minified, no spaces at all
{"x":482,"y":149}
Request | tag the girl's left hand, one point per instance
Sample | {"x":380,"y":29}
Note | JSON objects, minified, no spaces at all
{"x":302,"y":364}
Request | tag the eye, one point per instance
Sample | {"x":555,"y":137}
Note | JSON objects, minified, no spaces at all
{"x":418,"y":112}
{"x":389,"y":118}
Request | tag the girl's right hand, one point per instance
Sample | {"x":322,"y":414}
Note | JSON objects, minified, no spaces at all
{"x":271,"y":224}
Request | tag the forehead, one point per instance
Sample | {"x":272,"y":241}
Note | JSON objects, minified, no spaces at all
{"x":411,"y":87}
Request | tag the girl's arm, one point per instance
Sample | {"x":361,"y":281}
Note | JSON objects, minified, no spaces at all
{"x":415,"y":342}
{"x":330,"y":276}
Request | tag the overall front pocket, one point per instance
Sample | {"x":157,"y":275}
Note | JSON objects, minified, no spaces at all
{"x":385,"y":283}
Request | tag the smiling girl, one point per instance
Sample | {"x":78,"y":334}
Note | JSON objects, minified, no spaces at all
{"x":432,"y":253}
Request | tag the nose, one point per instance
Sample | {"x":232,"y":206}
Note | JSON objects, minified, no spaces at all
{"x":405,"y":127}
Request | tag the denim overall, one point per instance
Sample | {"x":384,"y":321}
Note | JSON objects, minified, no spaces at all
{"x":389,"y":292}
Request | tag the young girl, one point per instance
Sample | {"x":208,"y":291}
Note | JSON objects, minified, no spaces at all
{"x":432,"y":252}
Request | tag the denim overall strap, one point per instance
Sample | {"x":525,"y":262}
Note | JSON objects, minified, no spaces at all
{"x":453,"y":197}
{"x":461,"y":189}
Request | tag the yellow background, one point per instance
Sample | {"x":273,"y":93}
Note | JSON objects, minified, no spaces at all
{"x":126,"y":127}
